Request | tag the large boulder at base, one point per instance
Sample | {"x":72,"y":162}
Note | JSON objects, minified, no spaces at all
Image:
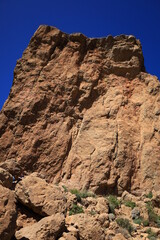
{"x":88,"y":227}
{"x":6,"y":179}
{"x":43,"y":198}
{"x":7,"y":213}
{"x":49,"y":228}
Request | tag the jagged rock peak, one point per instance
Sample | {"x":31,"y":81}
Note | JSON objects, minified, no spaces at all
{"x":123,"y":54}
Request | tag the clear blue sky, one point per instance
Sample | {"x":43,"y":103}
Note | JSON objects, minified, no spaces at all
{"x":19,"y":19}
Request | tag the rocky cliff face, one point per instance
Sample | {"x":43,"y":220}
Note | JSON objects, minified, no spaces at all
{"x":83,"y":112}
{"x":85,"y":115}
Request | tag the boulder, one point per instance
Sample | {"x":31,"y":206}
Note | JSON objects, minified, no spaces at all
{"x":88,"y":227}
{"x":8,"y":213}
{"x":135,"y":213}
{"x":43,"y":198}
{"x":49,"y":228}
{"x":111,"y":217}
{"x":99,"y":204}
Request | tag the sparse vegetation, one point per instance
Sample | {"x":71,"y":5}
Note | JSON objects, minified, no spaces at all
{"x":152,"y":216}
{"x":124,"y":223}
{"x":75,"y":210}
{"x":81,"y":194}
{"x":138,"y":221}
{"x":130,"y":204}
{"x":113,"y":203}
{"x":65,"y":188}
{"x":149,"y":195}
{"x":92,"y":212}
{"x":145,"y":222}
{"x":151,"y":235}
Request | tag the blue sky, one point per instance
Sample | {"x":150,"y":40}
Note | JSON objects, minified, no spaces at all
{"x":19,"y":19}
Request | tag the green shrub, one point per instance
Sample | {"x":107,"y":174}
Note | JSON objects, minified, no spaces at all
{"x":145,"y":223}
{"x":158,"y":221}
{"x":65,"y":188}
{"x":130,"y":204}
{"x":124,"y":223}
{"x":151,"y":235}
{"x":138,"y":221}
{"x":75,"y":210}
{"x":153,"y":217}
{"x":113,"y":203}
{"x":149,"y":195}
{"x":81,"y":194}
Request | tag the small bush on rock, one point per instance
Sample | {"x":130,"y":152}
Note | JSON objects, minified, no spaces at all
{"x":124,"y":223}
{"x":153,"y":217}
{"x":81,"y":194}
{"x":113,"y":203}
{"x":149,"y":195}
{"x":145,"y":223}
{"x":75,"y":210}
{"x":138,"y":221}
{"x":65,"y":188}
{"x":130,"y":204}
{"x":151,"y":235}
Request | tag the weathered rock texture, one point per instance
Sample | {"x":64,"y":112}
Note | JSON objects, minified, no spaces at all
{"x":6,"y":178}
{"x":88,"y":227}
{"x":43,"y":198}
{"x":8,"y":213}
{"x":84,"y":112}
{"x":48,"y":228}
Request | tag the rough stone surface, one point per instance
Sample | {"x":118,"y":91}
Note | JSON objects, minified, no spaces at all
{"x":12,"y":166}
{"x":156,"y":198}
{"x":43,"y":198}
{"x":49,"y":228}
{"x":7,"y":213}
{"x":6,"y":178}
{"x":87,"y":226}
{"x":83,"y":111}
{"x":135,"y":214}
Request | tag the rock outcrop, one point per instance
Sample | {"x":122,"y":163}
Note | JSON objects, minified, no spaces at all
{"x":85,"y":115}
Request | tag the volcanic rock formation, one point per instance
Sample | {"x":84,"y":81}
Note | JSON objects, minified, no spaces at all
{"x":84,"y":112}
{"x":82,"y":122}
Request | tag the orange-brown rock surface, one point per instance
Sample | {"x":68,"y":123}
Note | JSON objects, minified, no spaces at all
{"x":47,"y":228}
{"x":8,"y":213}
{"x":43,"y":198}
{"x":84,"y":114}
{"x":82,"y":111}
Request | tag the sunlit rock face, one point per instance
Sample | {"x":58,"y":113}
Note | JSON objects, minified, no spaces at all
{"x":83,"y":111}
